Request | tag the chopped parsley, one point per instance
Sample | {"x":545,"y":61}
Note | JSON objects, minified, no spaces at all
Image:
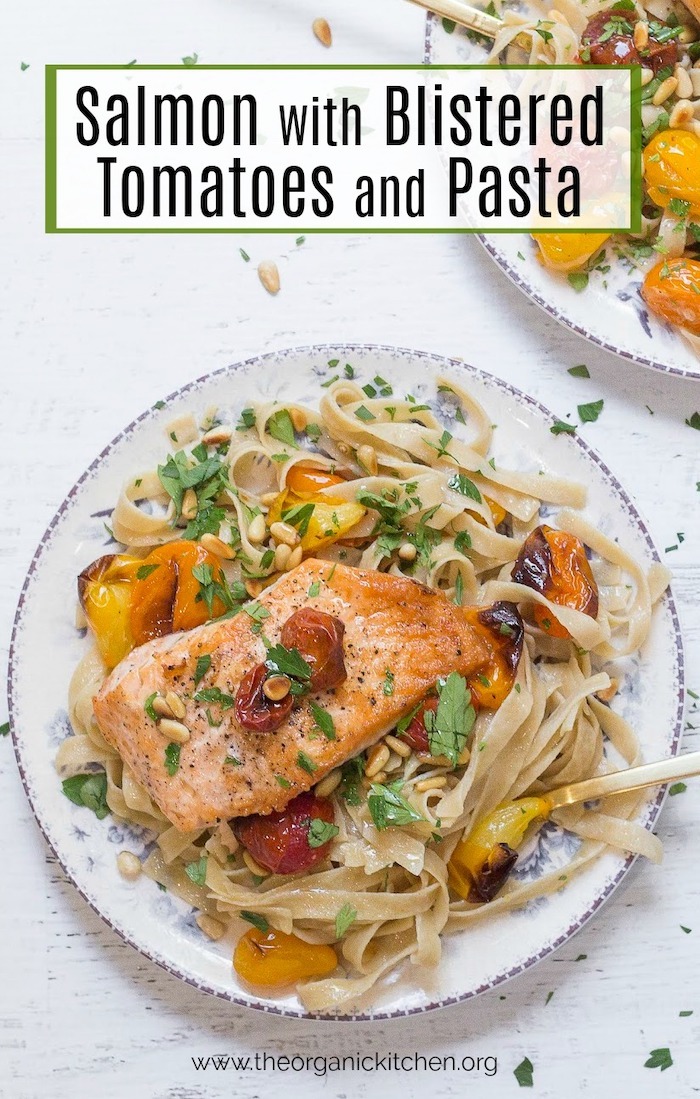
{"x":677,"y":788}
{"x":5,"y":729}
{"x":388,"y":808}
{"x":232,"y":761}
{"x":145,"y":570}
{"x":299,"y":517}
{"x":289,"y":662}
{"x":578,"y":280}
{"x":694,"y":421}
{"x":320,"y":832}
{"x":89,"y":791}
{"x":247,"y":420}
{"x":314,"y":590}
{"x":659,"y":1058}
{"x":523,"y":1073}
{"x":283,"y":782}
{"x":280,"y":427}
{"x":589,"y":413}
{"x":580,"y":371}
{"x":256,"y":919}
{"x":202,"y":667}
{"x":352,"y":772}
{"x":344,"y":920}
{"x":461,"y":483}
{"x":322,"y":721}
{"x":450,"y":724}
{"x":364,"y":414}
{"x":172,"y":757}
{"x":560,"y":427}
{"x":306,"y":763}
{"x":388,"y":687}
{"x":197,"y":871}
{"x":463,"y":541}
{"x":214,"y":694}
{"x":148,"y":706}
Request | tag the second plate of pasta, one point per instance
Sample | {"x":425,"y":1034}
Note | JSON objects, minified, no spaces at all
{"x":316,"y":475}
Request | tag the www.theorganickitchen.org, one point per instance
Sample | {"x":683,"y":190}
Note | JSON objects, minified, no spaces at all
{"x":322,"y":1065}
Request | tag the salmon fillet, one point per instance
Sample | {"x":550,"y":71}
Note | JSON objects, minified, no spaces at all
{"x":392,"y":625}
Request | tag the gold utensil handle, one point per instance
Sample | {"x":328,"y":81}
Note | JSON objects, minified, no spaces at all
{"x":463,"y":14}
{"x":620,"y":782}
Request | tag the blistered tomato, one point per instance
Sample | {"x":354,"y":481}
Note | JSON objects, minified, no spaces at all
{"x":672,"y":292}
{"x":672,"y":169}
{"x":306,"y":480}
{"x":272,"y":959}
{"x":169,"y":597}
{"x":254,"y":710}
{"x":320,"y":519}
{"x":283,"y":842}
{"x":554,"y":564}
{"x":568,"y":251}
{"x":501,"y":627}
{"x":482,"y":861}
{"x":416,"y":733}
{"x":105,"y":590}
{"x":319,"y":638}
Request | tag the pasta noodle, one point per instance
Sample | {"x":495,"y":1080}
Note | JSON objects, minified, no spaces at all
{"x":552,"y":727}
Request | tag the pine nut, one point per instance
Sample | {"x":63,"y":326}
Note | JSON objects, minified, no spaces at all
{"x":408,"y":552}
{"x":322,"y":30}
{"x":298,"y":419}
{"x":282,"y":555}
{"x":189,"y":504}
{"x":687,"y":35}
{"x":128,"y":865}
{"x":685,"y":84}
{"x":286,"y":533}
{"x":253,"y":587}
{"x":253,"y":866}
{"x":177,"y":706}
{"x":294,"y":558}
{"x":174,"y":730}
{"x":215,"y":545}
{"x":277,"y":687}
{"x":161,"y":706}
{"x":694,"y":75}
{"x":399,"y":746}
{"x":464,"y":757}
{"x":257,"y":529}
{"x":217,"y":435}
{"x":269,"y":275}
{"x":681,"y":114}
{"x":395,"y":762}
{"x":433,"y":761}
{"x":367,"y":457}
{"x":641,"y":35}
{"x":647,"y":77}
{"x":213,"y":929}
{"x":268,"y":498}
{"x":327,"y":785}
{"x":664,"y":90}
{"x":380,"y":778}
{"x":378,"y":756}
{"x":426,"y":784}
{"x":343,"y":448}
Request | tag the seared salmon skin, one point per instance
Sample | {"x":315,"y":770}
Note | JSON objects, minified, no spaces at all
{"x":400,"y":637}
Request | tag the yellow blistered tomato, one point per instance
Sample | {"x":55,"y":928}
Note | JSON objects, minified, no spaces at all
{"x":568,"y":251}
{"x":672,"y":169}
{"x":672,"y":292}
{"x":481,"y":861}
{"x":321,"y":520}
{"x":272,"y":959}
{"x":105,"y":591}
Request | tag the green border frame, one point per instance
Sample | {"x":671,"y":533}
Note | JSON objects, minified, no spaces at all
{"x":50,"y":224}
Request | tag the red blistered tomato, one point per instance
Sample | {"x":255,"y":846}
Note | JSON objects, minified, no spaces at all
{"x":280,"y":841}
{"x":319,"y":639}
{"x":253,"y":709}
{"x":416,"y":734}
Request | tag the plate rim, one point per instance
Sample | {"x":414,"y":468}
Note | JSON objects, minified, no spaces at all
{"x":348,"y":348}
{"x":431,"y":27}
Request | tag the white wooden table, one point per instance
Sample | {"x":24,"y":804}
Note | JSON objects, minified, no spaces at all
{"x":95,"y":329}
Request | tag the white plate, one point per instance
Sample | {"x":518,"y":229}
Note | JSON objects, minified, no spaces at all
{"x":610,"y":311}
{"x":46,"y":647}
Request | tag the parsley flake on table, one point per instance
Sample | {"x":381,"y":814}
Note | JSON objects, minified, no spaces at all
{"x":5,"y":729}
{"x":344,"y":920}
{"x":694,"y":421}
{"x":677,"y":788}
{"x":88,"y":790}
{"x":388,"y":808}
{"x":589,"y":413}
{"x":580,"y":371}
{"x":659,"y":1058}
{"x":450,"y":724}
{"x":320,"y":832}
{"x":256,"y":919}
{"x":523,"y":1073}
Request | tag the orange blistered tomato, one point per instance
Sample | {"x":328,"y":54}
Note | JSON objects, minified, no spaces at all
{"x":272,"y":959}
{"x":306,"y":480}
{"x":568,"y":251}
{"x":672,"y":168}
{"x":554,"y":564}
{"x":672,"y":292}
{"x":105,"y":589}
{"x":501,"y":628}
{"x":166,"y":599}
